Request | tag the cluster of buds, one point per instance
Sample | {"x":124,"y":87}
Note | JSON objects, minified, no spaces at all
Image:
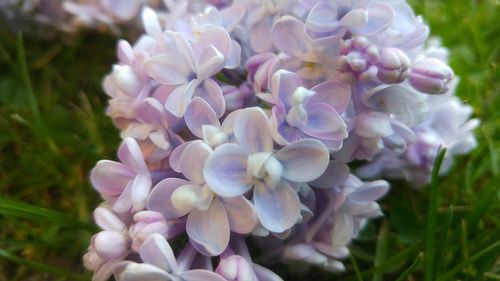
{"x":241,"y":120}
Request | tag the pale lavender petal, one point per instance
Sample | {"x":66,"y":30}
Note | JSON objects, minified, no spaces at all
{"x":226,"y":170}
{"x":157,"y":251}
{"x":290,"y":37}
{"x":370,"y":191}
{"x":322,"y":18}
{"x":200,"y":275}
{"x":130,"y":154}
{"x":110,"y":178}
{"x":151,"y":23}
{"x":252,"y":130}
{"x":343,"y":229}
{"x":199,"y":113}
{"x":212,"y":94}
{"x":304,"y":160}
{"x":324,"y":122}
{"x":217,"y":37}
{"x":175,"y":156}
{"x":193,"y":159}
{"x":160,"y":198}
{"x":260,"y":35}
{"x":379,"y":15}
{"x":124,"y":202}
{"x":234,"y":58}
{"x":209,"y":230}
{"x":179,"y":99}
{"x":241,"y":214}
{"x":139,"y":191}
{"x":209,"y":61}
{"x":284,"y":83}
{"x":335,"y":175}
{"x":278,"y":208}
{"x":143,"y":272}
{"x":335,"y":94}
{"x":166,"y":71}
{"x":265,"y":274}
{"x":106,"y":220}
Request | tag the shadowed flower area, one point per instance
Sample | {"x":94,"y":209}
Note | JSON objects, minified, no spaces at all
{"x":249,"y":140}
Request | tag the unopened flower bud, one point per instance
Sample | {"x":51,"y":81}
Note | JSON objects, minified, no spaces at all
{"x":126,"y":80}
{"x":431,"y":76}
{"x":392,"y":65}
{"x":236,"y":268}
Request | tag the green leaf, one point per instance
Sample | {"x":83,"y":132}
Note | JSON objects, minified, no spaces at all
{"x":23,"y":210}
{"x":432,"y":219}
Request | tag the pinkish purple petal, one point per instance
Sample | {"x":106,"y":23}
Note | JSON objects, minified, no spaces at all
{"x":241,"y":214}
{"x":252,"y":130}
{"x":157,"y":251}
{"x":160,"y":198}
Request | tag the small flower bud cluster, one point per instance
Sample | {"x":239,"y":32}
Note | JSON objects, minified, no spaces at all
{"x":241,"y":119}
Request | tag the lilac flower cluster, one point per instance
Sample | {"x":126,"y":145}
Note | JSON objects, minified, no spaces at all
{"x":239,"y":121}
{"x":73,"y":15}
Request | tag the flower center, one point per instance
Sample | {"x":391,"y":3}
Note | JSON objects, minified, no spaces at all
{"x":264,"y":166}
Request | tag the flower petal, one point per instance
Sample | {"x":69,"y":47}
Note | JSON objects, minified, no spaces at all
{"x":335,"y":94}
{"x":324,"y":122}
{"x":106,"y":220}
{"x":166,"y":71}
{"x":193,"y":159}
{"x":130,"y":154}
{"x":139,"y":191}
{"x":241,"y":214}
{"x":179,"y":99}
{"x":144,"y":271}
{"x":284,"y":83}
{"x":278,"y":208}
{"x":304,"y":160}
{"x":110,"y":178}
{"x":199,"y":113}
{"x":335,"y":175}
{"x":200,"y":275}
{"x":157,"y":251}
{"x":251,"y":129}
{"x":289,"y":36}
{"x":160,"y":198}
{"x":211,"y":92}
{"x":225,"y":170}
{"x":209,"y":230}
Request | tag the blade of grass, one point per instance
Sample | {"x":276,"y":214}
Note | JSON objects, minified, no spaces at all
{"x":380,"y":253}
{"x":19,"y":209}
{"x":456,"y":269}
{"x":411,"y":268}
{"x":40,"y":266}
{"x":26,"y":79}
{"x":442,"y":243}
{"x":432,"y":218}
{"x":356,"y":268}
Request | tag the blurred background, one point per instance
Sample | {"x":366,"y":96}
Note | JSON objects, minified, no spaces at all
{"x":53,"y":130}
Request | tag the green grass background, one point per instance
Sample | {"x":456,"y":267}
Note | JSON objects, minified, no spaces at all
{"x":53,"y":130}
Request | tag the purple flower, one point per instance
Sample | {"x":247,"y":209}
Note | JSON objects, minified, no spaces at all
{"x":361,"y":61}
{"x":233,"y":169}
{"x":237,"y":268}
{"x":160,"y":264}
{"x":210,"y":218}
{"x":370,"y":132}
{"x":430,"y":76}
{"x":300,"y":113}
{"x":332,"y":19}
{"x":126,"y":183}
{"x":108,"y":247}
